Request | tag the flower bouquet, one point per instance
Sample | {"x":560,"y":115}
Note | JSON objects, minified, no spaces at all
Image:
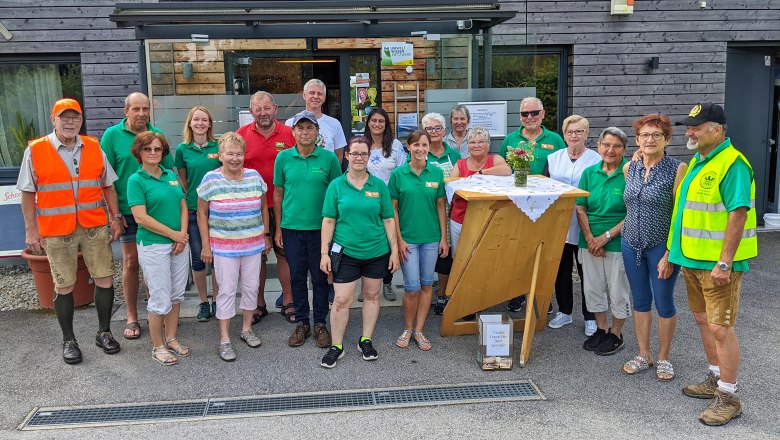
{"x":520,"y":160}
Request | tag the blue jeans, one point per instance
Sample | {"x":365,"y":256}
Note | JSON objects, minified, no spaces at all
{"x":644,"y":282}
{"x":419,"y":266}
{"x":302,"y":249}
{"x":196,"y":245}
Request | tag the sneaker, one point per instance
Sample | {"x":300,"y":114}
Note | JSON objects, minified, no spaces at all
{"x":724,"y":407}
{"x":594,"y":340}
{"x":300,"y":334}
{"x":590,"y":327}
{"x":321,"y":335}
{"x":550,"y":309}
{"x":388,"y":292}
{"x":226,"y":352}
{"x":214,"y":309}
{"x":610,"y":345}
{"x":704,"y":390}
{"x":368,"y":350}
{"x":441,"y":303}
{"x":251,"y":339}
{"x":515,"y":304}
{"x":203,"y":312}
{"x":330,"y":358}
{"x":560,"y":320}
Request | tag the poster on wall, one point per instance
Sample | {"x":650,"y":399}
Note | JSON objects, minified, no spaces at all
{"x":12,"y":238}
{"x":489,"y":114}
{"x":397,"y":54}
{"x":407,"y":123}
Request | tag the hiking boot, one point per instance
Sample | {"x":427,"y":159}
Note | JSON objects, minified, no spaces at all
{"x":724,"y":407}
{"x":560,"y":320}
{"x":515,"y":304}
{"x":203,"y":312}
{"x":593,"y":342}
{"x":704,"y":390}
{"x":300,"y":334}
{"x":388,"y":292}
{"x":441,"y":303}
{"x":330,"y":358}
{"x":610,"y":345}
{"x":368,"y":350}
{"x":321,"y":335}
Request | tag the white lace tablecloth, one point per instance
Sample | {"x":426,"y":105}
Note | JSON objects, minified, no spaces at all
{"x":533,"y":199}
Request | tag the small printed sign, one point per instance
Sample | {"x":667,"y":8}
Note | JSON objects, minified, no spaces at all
{"x":397,"y":54}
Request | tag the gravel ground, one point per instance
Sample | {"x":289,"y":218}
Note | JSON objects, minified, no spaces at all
{"x":17,"y":290}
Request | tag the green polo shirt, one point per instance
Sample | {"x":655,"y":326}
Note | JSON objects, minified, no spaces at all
{"x":417,"y":196}
{"x":162,"y":198}
{"x":735,"y":190}
{"x":547,"y":143}
{"x":116,"y":143}
{"x":359,"y":214}
{"x":197,"y":162}
{"x":605,"y":205}
{"x":304,"y":181}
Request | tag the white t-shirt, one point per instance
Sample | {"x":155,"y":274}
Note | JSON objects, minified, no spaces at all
{"x":564,"y":170}
{"x":381,"y":166}
{"x":331,"y":131}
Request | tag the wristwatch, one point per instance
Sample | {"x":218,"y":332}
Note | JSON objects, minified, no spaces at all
{"x":608,"y":235}
{"x":723,"y":266}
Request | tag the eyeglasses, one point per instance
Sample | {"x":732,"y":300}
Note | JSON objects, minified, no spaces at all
{"x":572,"y":132}
{"x":612,"y":146}
{"x":152,"y":150}
{"x":655,"y":136}
{"x":75,"y":118}
{"x":533,"y":113}
{"x":233,"y":155}
{"x":435,"y":129}
{"x":360,"y":155}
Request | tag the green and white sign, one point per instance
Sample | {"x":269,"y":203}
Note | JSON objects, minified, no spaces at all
{"x":397,"y":54}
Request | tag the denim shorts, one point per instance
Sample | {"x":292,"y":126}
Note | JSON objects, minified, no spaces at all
{"x":419,"y":265}
{"x":132,"y":228}
{"x":351,"y":268}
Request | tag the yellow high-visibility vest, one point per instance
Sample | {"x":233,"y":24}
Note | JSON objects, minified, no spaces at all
{"x":704,"y":216}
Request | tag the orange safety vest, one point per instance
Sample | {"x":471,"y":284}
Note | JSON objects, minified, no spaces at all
{"x":57,"y":207}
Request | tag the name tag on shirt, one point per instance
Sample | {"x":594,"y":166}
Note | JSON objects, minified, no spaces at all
{"x":431,"y":184}
{"x":213,"y":155}
{"x":279,"y":146}
{"x":173,"y":182}
{"x":548,"y":146}
{"x":372,"y":194}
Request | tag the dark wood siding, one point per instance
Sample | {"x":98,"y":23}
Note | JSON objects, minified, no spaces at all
{"x":610,"y":82}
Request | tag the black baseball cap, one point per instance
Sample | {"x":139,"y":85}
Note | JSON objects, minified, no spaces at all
{"x":704,"y":112}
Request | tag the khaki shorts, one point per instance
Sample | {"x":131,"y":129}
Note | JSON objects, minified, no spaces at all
{"x":95,"y":246}
{"x":720,"y":302}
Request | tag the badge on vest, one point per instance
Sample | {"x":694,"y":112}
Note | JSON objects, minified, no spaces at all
{"x":548,"y":146}
{"x":213,"y":155}
{"x":708,"y":180}
{"x":372,"y":194}
{"x":431,"y":184}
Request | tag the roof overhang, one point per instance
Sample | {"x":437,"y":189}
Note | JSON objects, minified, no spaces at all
{"x":312,"y":18}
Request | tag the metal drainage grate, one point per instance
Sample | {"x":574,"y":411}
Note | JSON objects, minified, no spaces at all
{"x":281,"y":404}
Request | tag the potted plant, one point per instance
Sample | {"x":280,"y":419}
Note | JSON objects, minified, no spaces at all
{"x":520,"y":160}
{"x":83,"y":291}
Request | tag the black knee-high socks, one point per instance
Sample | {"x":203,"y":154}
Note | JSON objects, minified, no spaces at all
{"x":104,"y":303}
{"x":63,"y":308}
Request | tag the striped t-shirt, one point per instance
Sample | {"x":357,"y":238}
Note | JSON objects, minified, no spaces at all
{"x":235,"y":217}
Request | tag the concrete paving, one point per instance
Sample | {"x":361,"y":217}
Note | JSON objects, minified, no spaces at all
{"x":587,"y":395}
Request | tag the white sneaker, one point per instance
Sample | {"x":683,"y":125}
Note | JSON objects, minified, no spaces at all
{"x":560,"y":320}
{"x":590,"y":327}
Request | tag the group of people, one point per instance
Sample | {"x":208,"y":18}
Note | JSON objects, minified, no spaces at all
{"x":280,"y":186}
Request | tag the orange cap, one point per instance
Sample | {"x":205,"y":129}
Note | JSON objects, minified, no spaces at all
{"x":65,"y":104}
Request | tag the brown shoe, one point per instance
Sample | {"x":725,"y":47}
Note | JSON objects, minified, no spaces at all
{"x":299,"y":336}
{"x":704,"y":390}
{"x":724,"y":407}
{"x":322,"y":335}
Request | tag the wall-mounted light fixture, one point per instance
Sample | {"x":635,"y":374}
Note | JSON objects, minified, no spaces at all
{"x":653,"y":63}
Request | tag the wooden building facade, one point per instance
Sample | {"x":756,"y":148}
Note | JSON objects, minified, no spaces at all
{"x":665,"y":57}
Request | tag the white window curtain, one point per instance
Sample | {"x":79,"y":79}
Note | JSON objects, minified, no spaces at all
{"x":30,"y":91}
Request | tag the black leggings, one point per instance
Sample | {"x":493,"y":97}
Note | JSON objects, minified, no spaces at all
{"x":564,"y":285}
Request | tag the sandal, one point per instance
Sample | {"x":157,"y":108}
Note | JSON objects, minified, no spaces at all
{"x":288,"y":311}
{"x":422,"y":341}
{"x":403,"y":340}
{"x":636,"y":365}
{"x":664,"y":371}
{"x":179,"y":348}
{"x":132,"y":330}
{"x":163,"y":356}
{"x":259,"y":313}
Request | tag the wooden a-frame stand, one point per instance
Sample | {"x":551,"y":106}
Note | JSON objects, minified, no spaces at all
{"x":503,"y":254}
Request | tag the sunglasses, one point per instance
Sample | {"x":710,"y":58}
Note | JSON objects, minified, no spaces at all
{"x":533,"y":113}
